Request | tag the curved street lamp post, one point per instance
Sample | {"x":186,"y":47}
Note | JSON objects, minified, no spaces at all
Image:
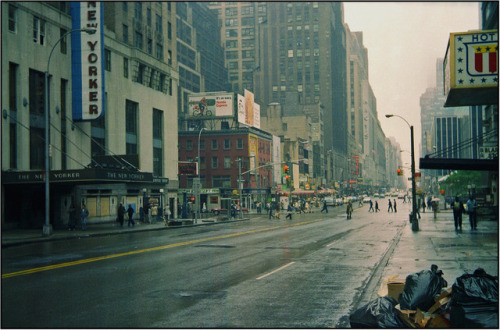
{"x":413,"y":214}
{"x":47,"y":227}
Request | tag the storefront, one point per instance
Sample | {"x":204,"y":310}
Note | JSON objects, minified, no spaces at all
{"x":101,"y":190}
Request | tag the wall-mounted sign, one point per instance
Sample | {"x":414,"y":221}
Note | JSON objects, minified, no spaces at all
{"x":187,"y":168}
{"x":471,"y":69}
{"x":87,"y":61}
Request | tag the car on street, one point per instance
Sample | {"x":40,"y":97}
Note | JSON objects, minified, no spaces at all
{"x":367,"y":200}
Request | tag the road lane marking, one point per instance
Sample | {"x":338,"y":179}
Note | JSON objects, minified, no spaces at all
{"x":158,"y":248}
{"x":276,"y":270}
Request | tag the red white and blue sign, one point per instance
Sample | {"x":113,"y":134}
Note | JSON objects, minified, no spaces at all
{"x":87,"y":61}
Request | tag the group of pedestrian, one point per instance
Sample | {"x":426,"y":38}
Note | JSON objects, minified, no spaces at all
{"x":470,"y":208}
{"x":121,"y":215}
{"x":371,"y":209}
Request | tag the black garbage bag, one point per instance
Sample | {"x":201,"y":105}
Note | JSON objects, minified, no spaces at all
{"x":421,"y":288}
{"x":379,"y":313}
{"x":474,"y":301}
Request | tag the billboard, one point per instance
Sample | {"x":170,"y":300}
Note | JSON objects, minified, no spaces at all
{"x":248,"y":110}
{"x":206,"y":105}
{"x":187,"y":168}
{"x":87,"y":61}
{"x":471,"y":69}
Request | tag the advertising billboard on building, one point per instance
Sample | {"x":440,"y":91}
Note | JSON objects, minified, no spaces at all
{"x":87,"y":61}
{"x":220,"y":104}
{"x":248,"y":110}
{"x":471,"y":69}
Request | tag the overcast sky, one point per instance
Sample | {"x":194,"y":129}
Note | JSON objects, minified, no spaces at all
{"x":404,"y":40}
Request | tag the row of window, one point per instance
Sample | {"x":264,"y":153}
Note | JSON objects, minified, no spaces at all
{"x":215,"y":144}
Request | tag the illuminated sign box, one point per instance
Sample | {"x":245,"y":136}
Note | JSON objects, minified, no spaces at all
{"x":471,"y":69}
{"x":213,"y":104}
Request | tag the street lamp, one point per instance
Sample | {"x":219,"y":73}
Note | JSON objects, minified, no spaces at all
{"x":198,"y":185}
{"x":47,"y":227}
{"x":413,"y":217}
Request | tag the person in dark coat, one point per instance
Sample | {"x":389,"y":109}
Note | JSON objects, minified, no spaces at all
{"x":371,"y":207}
{"x":325,"y":207}
{"x":289,"y":212}
{"x":130,"y":212}
{"x":376,"y":207}
{"x":121,"y":214}
{"x":395,"y":207}
{"x":390,"y":207}
{"x":458,"y":209}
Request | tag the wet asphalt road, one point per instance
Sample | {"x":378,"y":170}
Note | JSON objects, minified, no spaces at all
{"x":305,"y":273}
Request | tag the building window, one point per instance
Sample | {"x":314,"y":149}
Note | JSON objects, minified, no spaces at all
{"x":107,"y":60}
{"x":125,"y":67}
{"x":221,"y":181}
{"x":37,"y":124}
{"x":148,"y":17}
{"x":38,"y":31}
{"x":227,"y":144}
{"x":284,"y":127}
{"x":157,"y":142}
{"x":203,"y":164}
{"x":150,"y":46}
{"x":159,"y":52}
{"x":138,"y":11}
{"x":169,"y":31}
{"x":239,"y":144}
{"x":131,"y":127}
{"x":138,"y":40}
{"x":189,"y":145}
{"x":64,"y":85}
{"x":125,"y":33}
{"x":124,"y":7}
{"x":12,"y":18}
{"x":202,"y":144}
{"x":215,"y":145}
{"x":227,"y":162}
{"x":13,"y":72}
{"x":64,"y":44}
{"x":215,"y":162}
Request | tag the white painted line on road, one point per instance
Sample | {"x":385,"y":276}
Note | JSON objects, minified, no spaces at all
{"x":276,"y":270}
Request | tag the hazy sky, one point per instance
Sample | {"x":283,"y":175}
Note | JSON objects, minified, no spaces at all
{"x":404,"y":40}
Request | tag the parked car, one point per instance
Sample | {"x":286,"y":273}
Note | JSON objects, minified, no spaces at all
{"x":330,"y":201}
{"x":367,"y":200}
{"x":339,"y":201}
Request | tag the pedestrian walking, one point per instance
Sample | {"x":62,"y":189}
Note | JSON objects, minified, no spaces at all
{"x":349,"y":210}
{"x":458,"y":209}
{"x":390,"y":207}
{"x":121,"y":214}
{"x":429,"y":202}
{"x":471,"y":211}
{"x":395,"y":207}
{"x":371,"y":207}
{"x":83,"y":217}
{"x":325,"y":207}
{"x":270,"y":208}
{"x":404,"y":199}
{"x":376,"y":207}
{"x":423,"y":205}
{"x":434,"y":205}
{"x":130,"y":212}
{"x":289,"y":212}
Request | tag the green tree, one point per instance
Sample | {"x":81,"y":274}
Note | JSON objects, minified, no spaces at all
{"x":458,"y":181}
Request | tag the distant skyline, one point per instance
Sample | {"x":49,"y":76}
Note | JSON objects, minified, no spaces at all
{"x":404,"y":41}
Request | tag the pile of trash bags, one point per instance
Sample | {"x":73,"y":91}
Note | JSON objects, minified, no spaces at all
{"x":425,"y":302}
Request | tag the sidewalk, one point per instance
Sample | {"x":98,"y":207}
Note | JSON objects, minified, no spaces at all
{"x":437,"y":242}
{"x":13,"y":237}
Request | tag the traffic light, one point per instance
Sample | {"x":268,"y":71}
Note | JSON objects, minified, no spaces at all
{"x":286,"y":169}
{"x":192,"y":199}
{"x":287,"y":179}
{"x":400,"y":172}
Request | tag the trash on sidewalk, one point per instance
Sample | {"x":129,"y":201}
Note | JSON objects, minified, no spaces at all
{"x":379,"y":313}
{"x":472,"y":302}
{"x":421,"y":288}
